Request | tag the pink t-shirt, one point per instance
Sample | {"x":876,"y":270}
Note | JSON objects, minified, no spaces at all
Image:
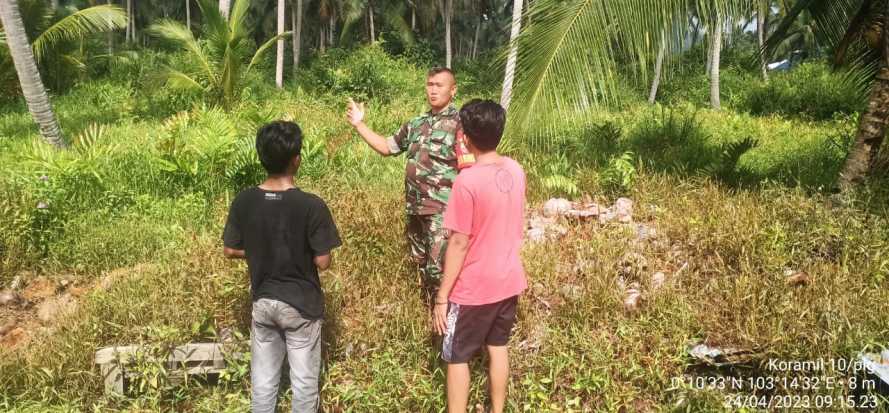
{"x":488,"y":203}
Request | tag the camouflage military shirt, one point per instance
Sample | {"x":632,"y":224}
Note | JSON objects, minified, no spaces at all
{"x":431,"y":168}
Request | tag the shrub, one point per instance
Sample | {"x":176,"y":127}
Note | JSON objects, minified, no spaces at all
{"x":421,"y":53}
{"x":556,"y":174}
{"x":672,"y":141}
{"x":95,"y":102}
{"x":726,"y":166}
{"x":597,"y":142}
{"x":811,"y":90}
{"x":363,"y":74}
{"x":620,"y":175}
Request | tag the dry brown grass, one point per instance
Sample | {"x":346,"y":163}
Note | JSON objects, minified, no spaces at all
{"x":575,"y":347}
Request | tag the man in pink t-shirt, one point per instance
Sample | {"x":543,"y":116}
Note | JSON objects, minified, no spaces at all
{"x":483,"y":274}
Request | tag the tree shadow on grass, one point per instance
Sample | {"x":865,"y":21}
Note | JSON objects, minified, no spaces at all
{"x":675,"y":142}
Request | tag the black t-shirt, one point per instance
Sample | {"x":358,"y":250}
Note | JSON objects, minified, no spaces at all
{"x":281,"y":233}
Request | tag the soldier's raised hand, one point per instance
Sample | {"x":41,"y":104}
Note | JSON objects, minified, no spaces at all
{"x":355,"y":112}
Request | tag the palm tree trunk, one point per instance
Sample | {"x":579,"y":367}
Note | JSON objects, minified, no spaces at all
{"x":447,"y":12}
{"x":871,"y":126}
{"x":110,"y":37}
{"x":370,"y":17}
{"x":224,"y":6}
{"x":658,"y":68}
{"x":331,"y":31}
{"x":322,"y":42}
{"x":715,"y":49}
{"x":188,"y":14}
{"x":133,"y":20}
{"x":869,"y":138}
{"x":296,"y":23}
{"x":29,"y":77}
{"x":478,"y":30}
{"x":761,"y":27}
{"x":709,"y":57}
{"x":458,"y":45}
{"x":279,"y":61}
{"x":130,"y":36}
{"x":696,"y":32}
{"x":513,"y":52}
{"x":413,"y":17}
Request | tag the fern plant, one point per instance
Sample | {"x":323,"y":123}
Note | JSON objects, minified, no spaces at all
{"x":725,"y":167}
{"x":557,"y":178}
{"x":620,"y":175}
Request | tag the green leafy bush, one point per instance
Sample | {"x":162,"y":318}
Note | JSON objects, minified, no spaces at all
{"x":366,"y":73}
{"x":810,"y":90}
{"x":620,"y":175}
{"x":673,"y":141}
{"x":556,"y":174}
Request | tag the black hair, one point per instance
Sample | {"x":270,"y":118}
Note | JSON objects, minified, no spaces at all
{"x":277,"y":143}
{"x":483,"y":122}
{"x":436,"y":70}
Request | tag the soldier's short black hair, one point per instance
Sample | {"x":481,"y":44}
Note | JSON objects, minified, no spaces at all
{"x":436,"y":70}
{"x":483,"y":122}
{"x":277,"y":143}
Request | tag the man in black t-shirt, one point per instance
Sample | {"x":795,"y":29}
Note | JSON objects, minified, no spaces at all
{"x":286,"y":235}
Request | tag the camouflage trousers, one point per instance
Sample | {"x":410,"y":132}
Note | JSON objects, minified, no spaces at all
{"x":428,"y":240}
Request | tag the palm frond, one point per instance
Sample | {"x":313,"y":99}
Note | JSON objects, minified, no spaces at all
{"x":393,"y":14}
{"x":568,"y":56}
{"x":96,"y":19}
{"x":215,"y":27}
{"x":352,"y":12}
{"x":181,"y":81}
{"x":36,"y":15}
{"x":76,"y":62}
{"x":237,"y":20}
{"x":265,"y":47}
{"x":831,"y":19}
{"x":857,"y":26}
{"x":181,"y":36}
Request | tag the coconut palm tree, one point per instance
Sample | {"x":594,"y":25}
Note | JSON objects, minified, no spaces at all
{"x":717,"y":25}
{"x":447,"y":12}
{"x":658,"y":69}
{"x":855,"y":29}
{"x":763,"y":11}
{"x":800,"y":37}
{"x":47,"y":51}
{"x":26,"y":68}
{"x":217,"y":63}
{"x":279,"y":61}
{"x":326,"y":14}
{"x":391,"y":12}
{"x":296,"y":23}
{"x":506,"y":95}
{"x":568,"y":54}
{"x":58,"y":42}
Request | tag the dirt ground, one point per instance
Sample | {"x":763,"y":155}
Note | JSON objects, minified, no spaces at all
{"x":33,"y":304}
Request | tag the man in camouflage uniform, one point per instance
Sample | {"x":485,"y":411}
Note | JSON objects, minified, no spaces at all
{"x":428,"y":140}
